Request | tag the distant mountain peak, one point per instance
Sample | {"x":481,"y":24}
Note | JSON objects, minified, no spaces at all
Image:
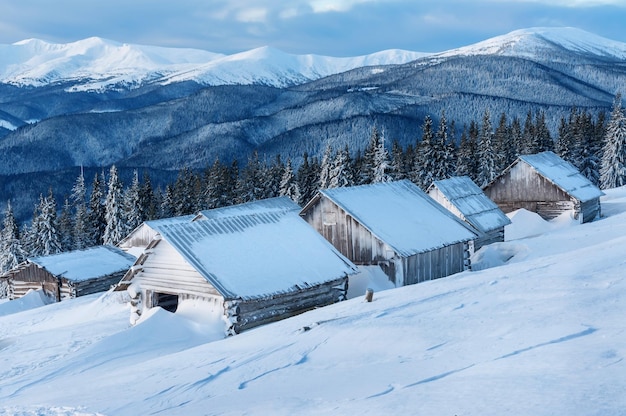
{"x":536,"y":40}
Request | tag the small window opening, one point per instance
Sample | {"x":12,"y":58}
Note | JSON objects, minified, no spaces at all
{"x":166,"y":301}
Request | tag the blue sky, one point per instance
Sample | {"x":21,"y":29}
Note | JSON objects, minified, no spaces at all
{"x":325,"y":27}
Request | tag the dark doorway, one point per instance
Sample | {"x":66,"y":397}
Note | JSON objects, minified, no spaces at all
{"x":166,"y":301}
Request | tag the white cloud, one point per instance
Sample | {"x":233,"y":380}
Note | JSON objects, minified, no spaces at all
{"x":254,"y":15}
{"x":324,"y":6}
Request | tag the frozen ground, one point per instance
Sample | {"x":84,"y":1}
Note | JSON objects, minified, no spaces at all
{"x":538,"y":331}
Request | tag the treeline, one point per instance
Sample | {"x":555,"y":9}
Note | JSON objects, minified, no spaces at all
{"x":109,"y":210}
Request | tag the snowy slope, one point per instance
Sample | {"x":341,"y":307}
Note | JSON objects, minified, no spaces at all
{"x":542,"y":334}
{"x":96,"y":64}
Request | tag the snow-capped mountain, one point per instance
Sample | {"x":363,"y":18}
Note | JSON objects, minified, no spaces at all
{"x":160,"y":109}
{"x":98,"y":64}
{"x":534,"y":42}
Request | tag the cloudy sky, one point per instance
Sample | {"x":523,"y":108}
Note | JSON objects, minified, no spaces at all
{"x":325,"y":27}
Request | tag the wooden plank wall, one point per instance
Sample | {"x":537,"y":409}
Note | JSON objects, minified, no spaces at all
{"x":352,"y":240}
{"x":435,"y":264}
{"x":30,"y":276}
{"x":248,"y":314}
{"x":523,"y":187}
{"x":166,"y":271}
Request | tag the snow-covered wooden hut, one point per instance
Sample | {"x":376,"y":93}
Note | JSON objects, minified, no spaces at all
{"x":548,"y":185}
{"x":462,"y":197}
{"x":140,"y":237}
{"x":394,"y":225}
{"x":252,"y":266}
{"x":70,"y":274}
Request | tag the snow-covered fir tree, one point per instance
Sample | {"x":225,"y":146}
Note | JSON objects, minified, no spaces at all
{"x":308,"y":179}
{"x":251,"y":185}
{"x":115,"y":229}
{"x":325,"y":167}
{"x":273,"y":178}
{"x":44,"y":238}
{"x":97,"y":214}
{"x":487,"y":159}
{"x":424,"y":163}
{"x":66,"y":227}
{"x":289,"y":184}
{"x":467,"y":163}
{"x":381,"y":163}
{"x":342,"y":174}
{"x":613,"y":168}
{"x":132,"y":204}
{"x":11,"y":251}
{"x":81,"y":231}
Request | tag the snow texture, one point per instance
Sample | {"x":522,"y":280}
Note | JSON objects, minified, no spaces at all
{"x":542,"y":334}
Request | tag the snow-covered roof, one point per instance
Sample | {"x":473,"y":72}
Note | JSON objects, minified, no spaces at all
{"x":256,"y":254}
{"x":81,"y":265}
{"x":155,"y":224}
{"x":476,"y":207}
{"x":145,"y":227}
{"x":401,"y":215}
{"x":563,"y":174}
{"x":278,"y":204}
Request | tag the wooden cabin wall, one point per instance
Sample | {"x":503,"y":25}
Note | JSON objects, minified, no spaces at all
{"x":589,"y":210}
{"x":247,"y":314}
{"x":436,"y":194}
{"x":495,"y":236}
{"x":72,"y":289}
{"x":523,"y":187}
{"x":352,"y":240}
{"x":166,"y":271}
{"x":435,"y":264}
{"x":33,"y":277}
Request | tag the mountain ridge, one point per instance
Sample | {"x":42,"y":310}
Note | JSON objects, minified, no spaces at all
{"x":171,"y":123}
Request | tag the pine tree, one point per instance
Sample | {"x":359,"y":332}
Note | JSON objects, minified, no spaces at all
{"x":542,"y":133}
{"x":167,"y":208}
{"x":147,"y":203}
{"x":132,"y":205}
{"x":424,"y":164}
{"x":43,"y":235}
{"x":273,"y":178}
{"x":97,"y":214}
{"x":325,"y":167}
{"x":466,"y":159}
{"x":382,"y":163}
{"x":11,"y":251}
{"x":80,"y":232}
{"x":341,"y":171}
{"x":308,"y":179}
{"x":613,"y":170}
{"x":487,"y":159}
{"x":115,"y":229}
{"x":288,"y":184}
{"x":66,"y":227}
{"x":529,"y":143}
{"x":251,"y":182}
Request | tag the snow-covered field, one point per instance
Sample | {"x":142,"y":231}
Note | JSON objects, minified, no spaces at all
{"x":540,"y":330}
